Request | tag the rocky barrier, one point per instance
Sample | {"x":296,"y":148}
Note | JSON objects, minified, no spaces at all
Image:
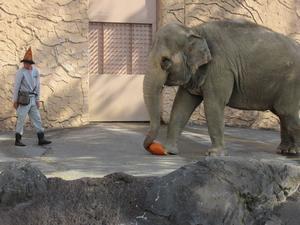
{"x":212,"y":191}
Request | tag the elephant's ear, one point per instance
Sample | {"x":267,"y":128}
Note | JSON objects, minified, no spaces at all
{"x":197,"y":52}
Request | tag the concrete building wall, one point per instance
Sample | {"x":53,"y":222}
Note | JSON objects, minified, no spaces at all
{"x":57,"y":32}
{"x":280,"y":15}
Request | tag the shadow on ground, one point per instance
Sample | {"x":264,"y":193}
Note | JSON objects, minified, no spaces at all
{"x":100,"y":149}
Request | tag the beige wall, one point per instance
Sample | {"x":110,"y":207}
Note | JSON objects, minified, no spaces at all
{"x":57,"y":31}
{"x":117,"y":98}
{"x":120,"y":11}
{"x":281,"y":16}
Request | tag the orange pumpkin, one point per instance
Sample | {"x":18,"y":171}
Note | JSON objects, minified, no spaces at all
{"x":157,"y":149}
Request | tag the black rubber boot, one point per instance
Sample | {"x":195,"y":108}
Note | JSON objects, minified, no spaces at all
{"x":18,"y":140}
{"x":42,"y":140}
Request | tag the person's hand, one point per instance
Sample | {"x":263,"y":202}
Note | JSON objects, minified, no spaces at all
{"x":16,"y":105}
{"x":37,"y":104}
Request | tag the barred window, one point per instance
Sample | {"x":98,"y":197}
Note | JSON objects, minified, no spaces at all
{"x":116,"y":48}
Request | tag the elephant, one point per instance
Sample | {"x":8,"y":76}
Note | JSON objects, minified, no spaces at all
{"x":233,"y":63}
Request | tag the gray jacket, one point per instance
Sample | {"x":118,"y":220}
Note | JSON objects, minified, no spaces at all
{"x":27,"y":80}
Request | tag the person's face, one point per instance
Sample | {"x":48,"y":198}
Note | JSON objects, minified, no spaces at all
{"x":27,"y":66}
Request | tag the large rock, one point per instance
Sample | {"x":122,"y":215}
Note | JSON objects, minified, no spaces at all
{"x":223,"y":191}
{"x":212,"y":191}
{"x":20,"y":182}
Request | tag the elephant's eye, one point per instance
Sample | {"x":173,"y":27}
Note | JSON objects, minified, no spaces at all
{"x":165,"y":63}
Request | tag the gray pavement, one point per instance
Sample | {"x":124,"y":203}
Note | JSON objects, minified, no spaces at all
{"x":100,"y":149}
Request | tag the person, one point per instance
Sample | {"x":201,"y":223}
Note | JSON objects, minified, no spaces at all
{"x":28,"y":80}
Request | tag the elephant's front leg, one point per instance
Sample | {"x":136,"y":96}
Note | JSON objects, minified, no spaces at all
{"x":183,"y":107}
{"x":214,"y":113}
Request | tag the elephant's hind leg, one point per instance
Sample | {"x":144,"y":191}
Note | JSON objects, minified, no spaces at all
{"x":290,"y":130}
{"x":183,"y":107}
{"x":293,"y":126}
{"x":287,"y":141}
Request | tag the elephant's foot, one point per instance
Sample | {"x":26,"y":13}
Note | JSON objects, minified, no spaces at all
{"x":171,"y":149}
{"x":283,"y":148}
{"x":295,"y":150}
{"x":148,"y":140}
{"x":217,"y":151}
{"x":288,"y":149}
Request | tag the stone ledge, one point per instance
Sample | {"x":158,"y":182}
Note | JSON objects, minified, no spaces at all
{"x":228,"y":190}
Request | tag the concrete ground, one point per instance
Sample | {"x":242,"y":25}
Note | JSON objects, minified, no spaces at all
{"x":100,"y":149}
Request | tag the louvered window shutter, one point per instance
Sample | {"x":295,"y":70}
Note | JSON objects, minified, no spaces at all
{"x":116,"y":48}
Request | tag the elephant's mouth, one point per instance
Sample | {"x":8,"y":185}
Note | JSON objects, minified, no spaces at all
{"x":172,"y":83}
{"x":176,"y":82}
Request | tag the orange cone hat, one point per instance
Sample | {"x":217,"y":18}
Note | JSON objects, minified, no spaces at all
{"x":28,"y":57}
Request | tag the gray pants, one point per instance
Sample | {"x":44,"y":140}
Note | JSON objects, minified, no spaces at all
{"x":34,"y":115}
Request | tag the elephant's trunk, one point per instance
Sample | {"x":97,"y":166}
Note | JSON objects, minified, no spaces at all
{"x":153,"y":83}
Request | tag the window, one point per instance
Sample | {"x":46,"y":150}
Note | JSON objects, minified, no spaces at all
{"x":116,"y":48}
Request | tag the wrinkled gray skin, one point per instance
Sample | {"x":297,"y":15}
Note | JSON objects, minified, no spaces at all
{"x":225,"y":63}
